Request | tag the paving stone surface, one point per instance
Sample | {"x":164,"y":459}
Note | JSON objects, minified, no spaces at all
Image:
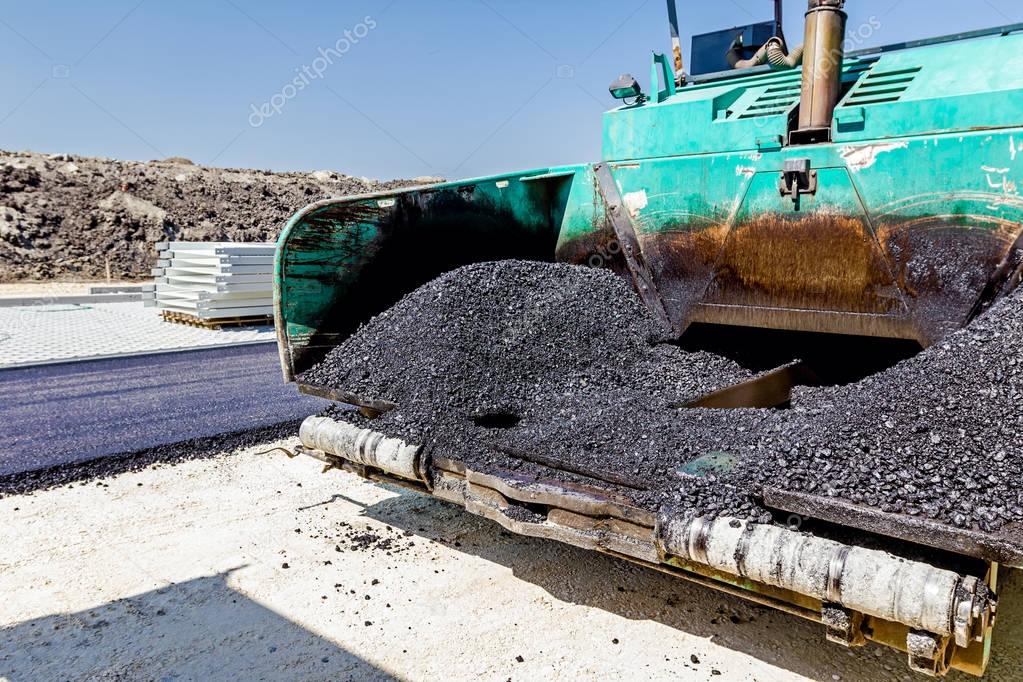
{"x":47,"y":333}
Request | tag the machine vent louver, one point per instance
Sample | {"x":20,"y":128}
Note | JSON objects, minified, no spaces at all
{"x":779,"y":98}
{"x":773,"y":101}
{"x":879,"y":87}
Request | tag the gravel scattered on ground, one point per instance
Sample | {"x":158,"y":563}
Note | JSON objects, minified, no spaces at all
{"x":494,"y":362}
{"x":366,"y":538}
{"x":64,"y":216}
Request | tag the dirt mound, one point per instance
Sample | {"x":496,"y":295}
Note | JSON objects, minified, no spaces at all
{"x":72,"y":217}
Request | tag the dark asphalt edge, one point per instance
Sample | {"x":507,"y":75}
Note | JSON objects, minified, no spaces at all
{"x":206,"y":447}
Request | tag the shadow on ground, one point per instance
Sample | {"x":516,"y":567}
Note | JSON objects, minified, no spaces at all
{"x":196,"y":630}
{"x":635,"y":592}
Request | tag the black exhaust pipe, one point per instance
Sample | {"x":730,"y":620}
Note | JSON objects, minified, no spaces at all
{"x":779,"y":20}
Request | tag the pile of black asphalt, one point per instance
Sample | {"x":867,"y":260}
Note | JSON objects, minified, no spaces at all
{"x":560,"y":371}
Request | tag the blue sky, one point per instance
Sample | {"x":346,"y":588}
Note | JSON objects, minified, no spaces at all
{"x":455,"y":88}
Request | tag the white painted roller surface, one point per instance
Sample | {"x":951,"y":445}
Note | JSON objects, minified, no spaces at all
{"x":917,"y":593}
{"x":773,"y":557}
{"x":872,"y":582}
{"x":363,"y":446}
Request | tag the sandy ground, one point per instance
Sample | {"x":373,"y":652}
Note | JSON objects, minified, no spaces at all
{"x":259,"y":567}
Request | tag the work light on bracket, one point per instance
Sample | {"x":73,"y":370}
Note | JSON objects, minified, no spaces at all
{"x":627,"y":87}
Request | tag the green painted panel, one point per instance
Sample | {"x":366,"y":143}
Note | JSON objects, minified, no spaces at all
{"x":955,"y":86}
{"x":339,"y":262}
{"x":917,"y":206}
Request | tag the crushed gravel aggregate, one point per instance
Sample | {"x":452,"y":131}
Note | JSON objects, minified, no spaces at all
{"x":565,"y":362}
{"x":496,"y":347}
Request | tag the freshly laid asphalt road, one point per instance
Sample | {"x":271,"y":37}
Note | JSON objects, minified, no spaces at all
{"x":74,"y":412}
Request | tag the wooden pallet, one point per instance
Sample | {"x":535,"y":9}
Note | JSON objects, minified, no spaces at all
{"x":216,"y":323}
